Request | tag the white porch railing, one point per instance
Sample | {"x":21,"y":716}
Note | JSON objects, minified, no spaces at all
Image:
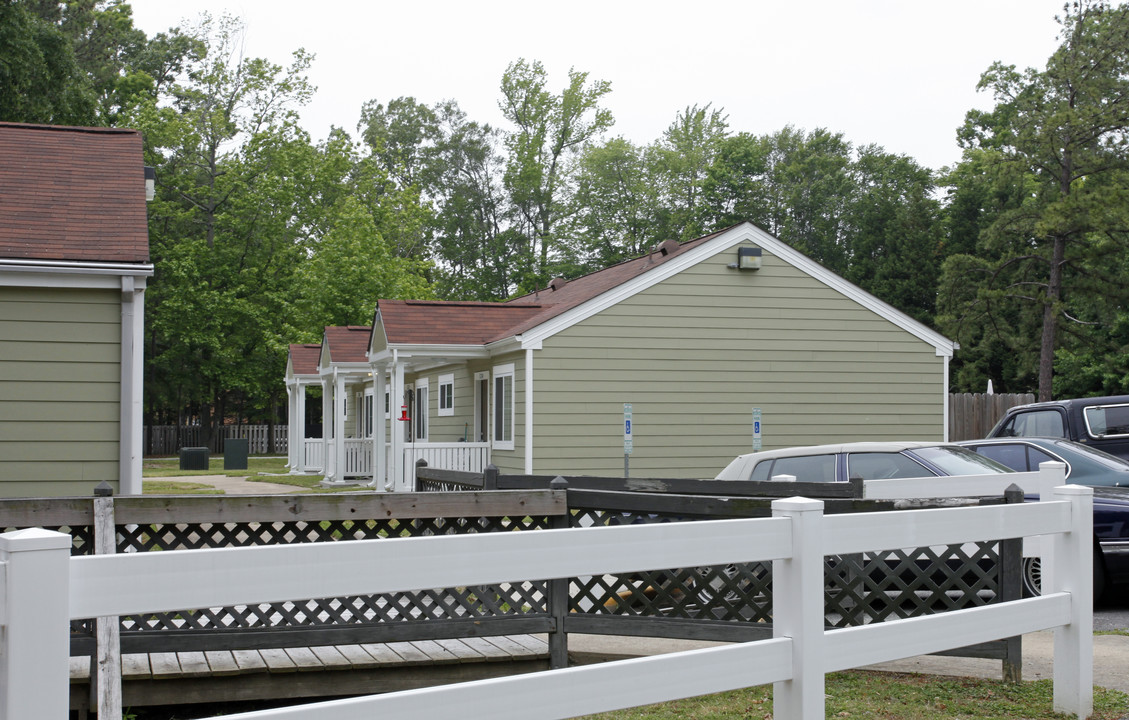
{"x":45,"y":588}
{"x":315,"y":455}
{"x":468,"y":457}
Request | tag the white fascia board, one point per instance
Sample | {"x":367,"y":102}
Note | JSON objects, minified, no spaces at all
{"x":25,"y":275}
{"x":746,"y":232}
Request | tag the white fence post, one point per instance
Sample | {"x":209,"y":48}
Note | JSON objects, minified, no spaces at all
{"x":34,"y":652}
{"x":797,"y":611}
{"x":1070,"y":570}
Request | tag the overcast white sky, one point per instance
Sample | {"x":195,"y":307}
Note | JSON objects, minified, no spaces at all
{"x":899,"y":73}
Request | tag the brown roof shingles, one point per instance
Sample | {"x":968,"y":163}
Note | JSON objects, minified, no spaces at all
{"x":348,"y":343}
{"x":304,"y":358}
{"x":72,"y":194}
{"x":471,"y":323}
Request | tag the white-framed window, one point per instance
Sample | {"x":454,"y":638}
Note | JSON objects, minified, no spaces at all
{"x":503,"y":424}
{"x":367,"y":408}
{"x":387,"y":403}
{"x":421,"y":409}
{"x":446,"y":395}
{"x":481,"y":407}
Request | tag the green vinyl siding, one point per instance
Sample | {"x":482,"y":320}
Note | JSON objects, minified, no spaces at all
{"x":59,"y":390}
{"x":460,"y":424}
{"x":695,"y":353}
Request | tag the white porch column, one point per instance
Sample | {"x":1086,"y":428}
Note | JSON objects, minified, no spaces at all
{"x":327,"y":429}
{"x":529,"y":411}
{"x":396,"y":398}
{"x":379,"y":468}
{"x":338,"y":426}
{"x":298,"y":435}
{"x":290,"y":391}
{"x":131,"y":383}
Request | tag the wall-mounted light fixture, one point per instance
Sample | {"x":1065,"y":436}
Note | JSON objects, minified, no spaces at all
{"x":748,"y":258}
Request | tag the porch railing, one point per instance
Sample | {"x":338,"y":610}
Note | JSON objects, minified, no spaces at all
{"x":461,"y":456}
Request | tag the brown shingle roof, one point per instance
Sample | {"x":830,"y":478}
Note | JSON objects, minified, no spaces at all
{"x":348,"y":343}
{"x":304,"y":358}
{"x":72,"y":194}
{"x":450,"y":323}
{"x":476,"y":323}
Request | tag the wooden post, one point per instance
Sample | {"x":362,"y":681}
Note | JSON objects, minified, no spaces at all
{"x":557,"y":589}
{"x":421,"y":463}
{"x":797,"y":610}
{"x":106,"y":680}
{"x":1011,"y":588}
{"x":35,"y":642}
{"x":490,"y":477}
{"x":1071,"y":570}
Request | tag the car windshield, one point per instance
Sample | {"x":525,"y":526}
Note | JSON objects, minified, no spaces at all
{"x":955,"y":460}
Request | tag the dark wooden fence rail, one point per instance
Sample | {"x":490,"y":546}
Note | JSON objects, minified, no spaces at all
{"x":720,"y":603}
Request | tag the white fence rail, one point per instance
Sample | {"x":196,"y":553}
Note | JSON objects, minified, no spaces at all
{"x":43,"y":588}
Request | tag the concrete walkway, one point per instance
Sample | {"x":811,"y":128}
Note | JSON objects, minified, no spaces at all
{"x":235,"y":485}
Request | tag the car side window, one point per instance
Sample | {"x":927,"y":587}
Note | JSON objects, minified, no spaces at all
{"x":1014,"y":456}
{"x":760,"y":471}
{"x":1036,"y":423}
{"x":1107,"y":420}
{"x":883,"y":466}
{"x":811,"y":468}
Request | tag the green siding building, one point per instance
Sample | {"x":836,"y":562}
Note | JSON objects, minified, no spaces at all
{"x":74,"y":260}
{"x":687,"y":336}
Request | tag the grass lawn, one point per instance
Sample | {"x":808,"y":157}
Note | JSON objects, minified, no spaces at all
{"x":170,"y":467}
{"x":891,"y":696}
{"x":168,"y":487}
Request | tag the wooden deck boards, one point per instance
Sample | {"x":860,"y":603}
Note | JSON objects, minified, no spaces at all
{"x":369,"y":656}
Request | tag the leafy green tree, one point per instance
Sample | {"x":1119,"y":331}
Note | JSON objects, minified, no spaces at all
{"x":549,"y":129}
{"x":40,"y":79}
{"x":1065,"y":131}
{"x":681,"y":160}
{"x":617,"y":214}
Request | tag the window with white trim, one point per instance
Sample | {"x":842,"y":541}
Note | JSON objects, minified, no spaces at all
{"x":446,"y":395}
{"x":481,"y":406}
{"x":421,"y":410}
{"x":504,"y":407}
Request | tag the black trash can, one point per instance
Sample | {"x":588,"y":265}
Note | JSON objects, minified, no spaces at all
{"x":194,"y":458}
{"x":235,"y":454}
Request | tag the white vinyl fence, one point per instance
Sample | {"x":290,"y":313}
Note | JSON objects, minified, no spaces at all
{"x":43,"y":588}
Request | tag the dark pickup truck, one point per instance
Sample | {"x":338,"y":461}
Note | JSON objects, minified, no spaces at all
{"x":1100,"y":422}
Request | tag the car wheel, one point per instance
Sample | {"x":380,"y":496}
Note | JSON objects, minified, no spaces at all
{"x":1033,"y":576}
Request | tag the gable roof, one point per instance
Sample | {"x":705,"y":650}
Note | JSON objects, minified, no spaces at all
{"x":304,"y":358}
{"x":422,"y":322}
{"x":346,"y":344}
{"x":72,"y":194}
{"x":566,"y":303}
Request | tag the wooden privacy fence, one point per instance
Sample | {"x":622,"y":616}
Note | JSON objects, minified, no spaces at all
{"x":169,"y":439}
{"x":45,"y":587}
{"x":973,"y":415}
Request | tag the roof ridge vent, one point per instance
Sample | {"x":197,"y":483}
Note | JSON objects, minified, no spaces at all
{"x":557,"y":283}
{"x":669,"y":247}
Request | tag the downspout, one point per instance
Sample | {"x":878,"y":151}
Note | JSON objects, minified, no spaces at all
{"x":131,"y":381}
{"x":529,"y":411}
{"x":945,"y":397}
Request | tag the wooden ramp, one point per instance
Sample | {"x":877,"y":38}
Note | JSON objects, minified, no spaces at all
{"x":311,"y":672}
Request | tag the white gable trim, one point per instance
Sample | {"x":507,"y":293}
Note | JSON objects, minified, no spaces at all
{"x":746,"y":232}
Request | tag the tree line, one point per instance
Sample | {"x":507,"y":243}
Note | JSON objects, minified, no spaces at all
{"x":262,"y":235}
